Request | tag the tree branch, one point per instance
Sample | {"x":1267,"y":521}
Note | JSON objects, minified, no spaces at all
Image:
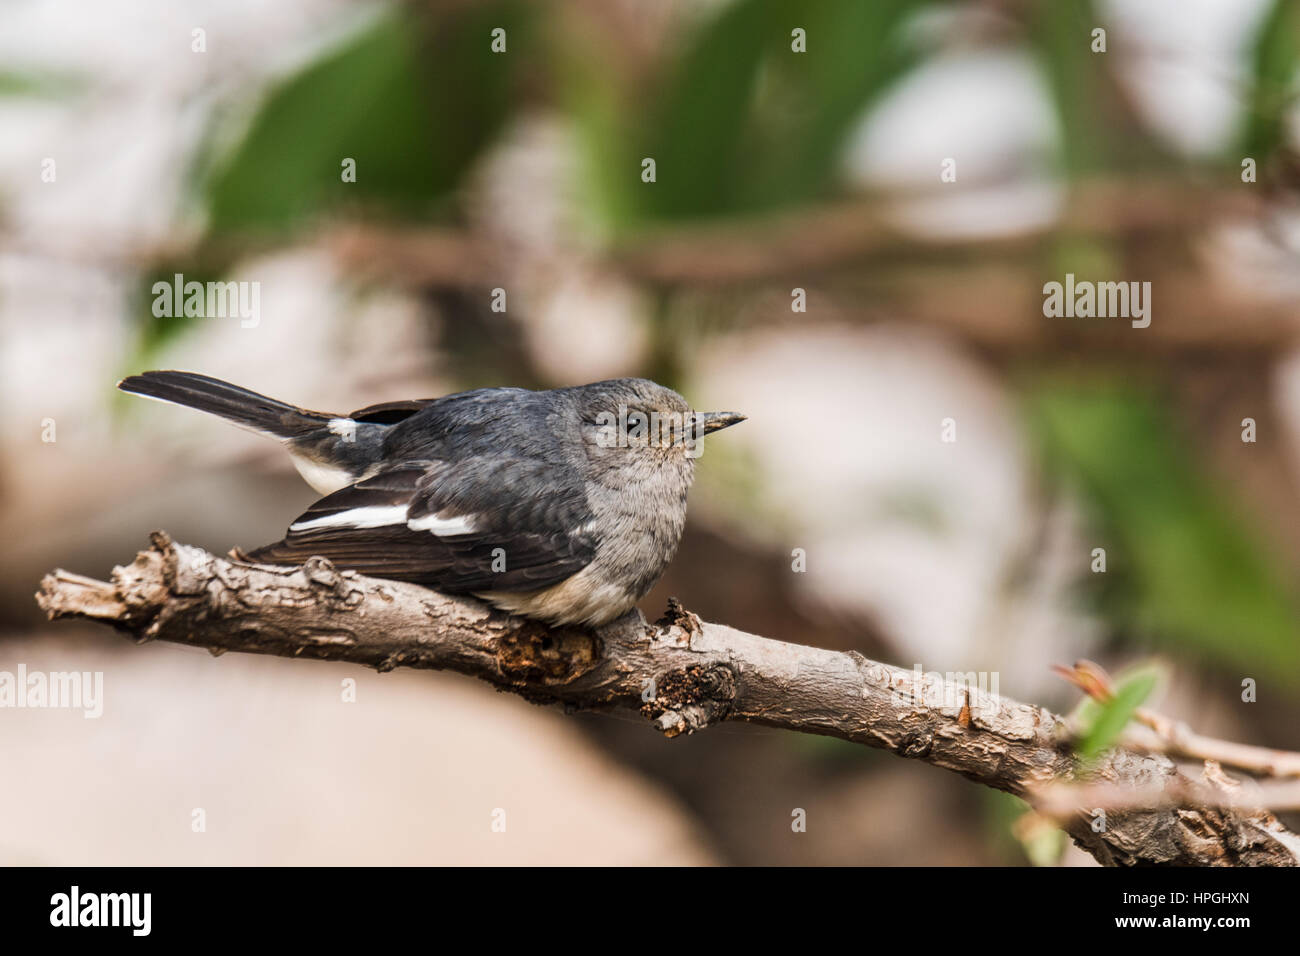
{"x":680,"y":673}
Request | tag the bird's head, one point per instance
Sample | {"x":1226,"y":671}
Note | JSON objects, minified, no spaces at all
{"x":638,"y":416}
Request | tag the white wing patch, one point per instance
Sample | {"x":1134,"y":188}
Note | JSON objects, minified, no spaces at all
{"x":442,"y":527}
{"x":373,"y":517}
{"x":378,"y":516}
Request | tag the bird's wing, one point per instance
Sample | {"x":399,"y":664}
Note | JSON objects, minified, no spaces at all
{"x":389,"y":413}
{"x":497,"y":524}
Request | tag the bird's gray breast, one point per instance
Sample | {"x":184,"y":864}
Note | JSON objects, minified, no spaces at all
{"x":640,"y":511}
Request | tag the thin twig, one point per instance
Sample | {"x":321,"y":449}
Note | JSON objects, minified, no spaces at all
{"x":1175,"y":738}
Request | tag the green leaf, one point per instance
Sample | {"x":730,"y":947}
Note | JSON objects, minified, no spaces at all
{"x":1275,"y":57}
{"x":604,"y":135}
{"x":376,"y":99}
{"x":1099,"y":131}
{"x":696,"y":140}
{"x":744,"y":124}
{"x":856,"y":52}
{"x":1184,"y":565}
{"x":1103,"y":723}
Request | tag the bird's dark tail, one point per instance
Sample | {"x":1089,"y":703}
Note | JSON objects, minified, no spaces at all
{"x":239,"y":405}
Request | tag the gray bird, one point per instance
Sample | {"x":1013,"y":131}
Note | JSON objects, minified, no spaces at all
{"x":563,"y":505}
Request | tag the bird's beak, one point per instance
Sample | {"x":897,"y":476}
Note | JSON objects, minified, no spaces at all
{"x":716,"y":421}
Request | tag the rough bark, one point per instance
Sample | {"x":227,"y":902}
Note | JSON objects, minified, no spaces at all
{"x":680,"y":673}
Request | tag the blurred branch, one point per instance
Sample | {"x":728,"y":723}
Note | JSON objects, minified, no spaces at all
{"x":821,"y":238}
{"x":990,"y":293}
{"x":416,"y":256}
{"x":1059,"y":800}
{"x":991,"y":288}
{"x":681,"y":674}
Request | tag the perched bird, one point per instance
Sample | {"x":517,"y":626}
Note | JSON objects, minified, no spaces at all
{"x":563,"y":505}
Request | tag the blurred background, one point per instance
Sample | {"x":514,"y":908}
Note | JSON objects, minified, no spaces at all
{"x":799,"y":158}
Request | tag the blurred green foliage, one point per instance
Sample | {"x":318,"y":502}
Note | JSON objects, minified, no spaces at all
{"x":1183,"y":564}
{"x":378,"y":99}
{"x":736,"y":120}
{"x":30,"y":83}
{"x":744,"y":123}
{"x":1275,"y":63}
{"x":1010,"y":840}
{"x":155,"y":332}
{"x":1098,"y":130}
